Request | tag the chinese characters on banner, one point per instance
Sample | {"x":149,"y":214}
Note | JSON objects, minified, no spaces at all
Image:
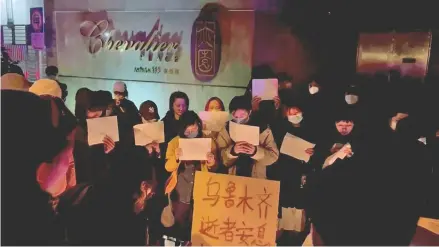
{"x":234,"y":211}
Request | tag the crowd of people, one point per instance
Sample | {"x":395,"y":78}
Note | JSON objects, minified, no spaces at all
{"x":56,"y":189}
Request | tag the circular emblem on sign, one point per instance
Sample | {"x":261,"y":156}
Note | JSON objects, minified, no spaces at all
{"x":37,"y":21}
{"x":205,"y":48}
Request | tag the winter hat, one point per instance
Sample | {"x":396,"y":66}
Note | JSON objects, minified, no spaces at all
{"x":14,"y":81}
{"x":119,"y":86}
{"x":148,"y":110}
{"x":46,"y":87}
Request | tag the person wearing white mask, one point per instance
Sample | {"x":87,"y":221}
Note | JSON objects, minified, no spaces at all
{"x":316,"y":105}
{"x":126,"y":112}
{"x":181,"y":180}
{"x":292,"y":172}
{"x":313,"y":88}
{"x":242,"y":158}
{"x":352,"y":95}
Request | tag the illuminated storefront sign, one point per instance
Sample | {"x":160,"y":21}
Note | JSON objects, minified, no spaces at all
{"x":154,"y":45}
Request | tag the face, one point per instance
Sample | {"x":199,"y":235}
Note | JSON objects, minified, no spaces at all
{"x":214,"y":105}
{"x":344,"y":128}
{"x":294,"y":115}
{"x":118,"y":96}
{"x":191,"y":130}
{"x":240,"y":114}
{"x":94,"y":113}
{"x":313,"y":87}
{"x":179,"y":106}
{"x":285,"y":85}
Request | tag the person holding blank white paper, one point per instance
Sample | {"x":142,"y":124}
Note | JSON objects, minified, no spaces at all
{"x":183,"y":171}
{"x":345,"y":138}
{"x":290,"y":171}
{"x":242,"y":158}
{"x":210,"y":127}
{"x":265,"y":100}
{"x":149,"y":114}
{"x":92,"y":162}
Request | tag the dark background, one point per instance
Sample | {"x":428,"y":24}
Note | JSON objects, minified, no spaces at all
{"x":330,"y":28}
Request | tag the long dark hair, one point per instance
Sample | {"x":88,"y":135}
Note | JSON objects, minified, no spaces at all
{"x":190,"y":118}
{"x":206,"y":108}
{"x":177,"y":95}
{"x":82,"y":101}
{"x":63,"y":119}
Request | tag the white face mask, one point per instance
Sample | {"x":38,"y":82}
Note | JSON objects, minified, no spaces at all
{"x":351,"y":99}
{"x":313,"y":90}
{"x":295,"y":119}
{"x":423,"y":140}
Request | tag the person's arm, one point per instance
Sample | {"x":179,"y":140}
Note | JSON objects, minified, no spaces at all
{"x":52,"y":176}
{"x":213,"y":166}
{"x":225,"y":145}
{"x":267,"y":152}
{"x":71,"y":173}
{"x":172,"y":163}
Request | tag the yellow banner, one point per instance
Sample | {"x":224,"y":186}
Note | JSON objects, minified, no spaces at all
{"x":430,"y":224}
{"x":234,"y":211}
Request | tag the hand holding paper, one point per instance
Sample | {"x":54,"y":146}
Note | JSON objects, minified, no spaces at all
{"x":244,"y":133}
{"x":109,"y":144}
{"x":153,"y":146}
{"x":194,"y":148}
{"x":297,"y":148}
{"x":266,"y":89}
{"x":244,"y":148}
{"x":346,"y":150}
{"x":98,"y":128}
{"x":147,"y":133}
{"x":214,"y":120}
